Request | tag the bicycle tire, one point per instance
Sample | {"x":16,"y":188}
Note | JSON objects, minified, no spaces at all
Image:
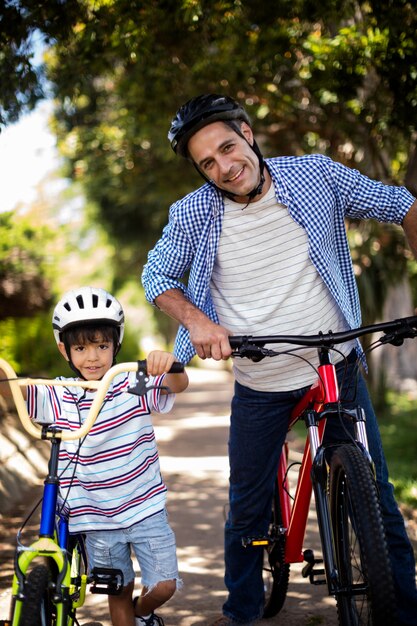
{"x":276,"y":573}
{"x":366,"y":596}
{"x":36,"y":609}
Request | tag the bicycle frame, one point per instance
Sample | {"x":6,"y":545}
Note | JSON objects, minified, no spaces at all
{"x":295,"y":517}
{"x":320,"y":399}
{"x":69,"y":584}
{"x":356,"y":562}
{"x":52,"y":544}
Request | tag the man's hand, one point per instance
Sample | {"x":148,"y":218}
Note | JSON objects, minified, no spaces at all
{"x":209,"y":339}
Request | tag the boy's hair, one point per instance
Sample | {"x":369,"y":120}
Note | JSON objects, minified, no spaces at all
{"x":79,"y":335}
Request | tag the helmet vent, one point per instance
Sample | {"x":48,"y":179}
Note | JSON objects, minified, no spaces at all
{"x":87,"y":306}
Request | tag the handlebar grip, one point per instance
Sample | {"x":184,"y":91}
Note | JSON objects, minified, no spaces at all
{"x":176,"y":368}
{"x":236,"y":341}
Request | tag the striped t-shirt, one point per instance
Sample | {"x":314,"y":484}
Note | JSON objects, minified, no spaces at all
{"x":113,"y":479}
{"x":264,"y":283}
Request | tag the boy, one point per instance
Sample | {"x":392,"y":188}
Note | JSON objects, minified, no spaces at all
{"x":110,"y":481}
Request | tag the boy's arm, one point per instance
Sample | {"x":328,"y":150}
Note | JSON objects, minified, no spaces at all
{"x":159,"y":362}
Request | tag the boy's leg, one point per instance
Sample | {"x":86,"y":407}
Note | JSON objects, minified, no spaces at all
{"x":153,"y":542}
{"x":121,"y":607}
{"x":111,"y":549}
{"x":149,"y":601}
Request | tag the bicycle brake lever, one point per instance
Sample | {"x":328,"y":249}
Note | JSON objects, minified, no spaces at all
{"x":396,"y":337}
{"x":141,"y":388}
{"x":250,"y":351}
{"x":393,"y":338}
{"x":142,"y":379}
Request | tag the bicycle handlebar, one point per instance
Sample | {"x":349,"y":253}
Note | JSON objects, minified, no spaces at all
{"x":101,"y":386}
{"x":394,"y":331}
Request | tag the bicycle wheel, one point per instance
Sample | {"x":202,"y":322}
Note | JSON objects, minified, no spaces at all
{"x":36,"y":609}
{"x":366,"y":595}
{"x":276,"y":572}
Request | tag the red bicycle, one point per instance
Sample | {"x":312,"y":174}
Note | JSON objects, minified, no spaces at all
{"x":355,"y":562}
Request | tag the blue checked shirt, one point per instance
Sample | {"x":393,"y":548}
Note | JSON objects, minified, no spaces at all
{"x":319,"y":194}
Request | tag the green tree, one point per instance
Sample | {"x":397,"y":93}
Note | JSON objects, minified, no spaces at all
{"x":23,"y":26}
{"x":338,"y":81}
{"x":337,"y":78}
{"x":25,"y":277}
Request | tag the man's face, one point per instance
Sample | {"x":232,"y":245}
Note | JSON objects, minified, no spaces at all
{"x":226,"y":158}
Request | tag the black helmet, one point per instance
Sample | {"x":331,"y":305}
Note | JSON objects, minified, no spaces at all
{"x":197,"y":113}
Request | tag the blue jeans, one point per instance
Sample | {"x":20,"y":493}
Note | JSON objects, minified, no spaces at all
{"x":257,"y":432}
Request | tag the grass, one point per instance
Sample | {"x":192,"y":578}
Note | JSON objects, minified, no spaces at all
{"x":397,"y":421}
{"x":397,"y":418}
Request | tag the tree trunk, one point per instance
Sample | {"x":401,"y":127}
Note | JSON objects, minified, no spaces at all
{"x":397,"y":366}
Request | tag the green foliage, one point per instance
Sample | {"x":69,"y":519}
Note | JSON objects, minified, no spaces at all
{"x":25,"y":276}
{"x":399,"y":438}
{"x":312,"y":81}
{"x":338,"y":77}
{"x":22,"y":25}
{"x":28,"y":344}
{"x":41,"y":257}
{"x":379,"y":261}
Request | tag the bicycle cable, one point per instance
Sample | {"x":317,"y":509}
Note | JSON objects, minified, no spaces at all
{"x":286,"y":476}
{"x":76,"y":455}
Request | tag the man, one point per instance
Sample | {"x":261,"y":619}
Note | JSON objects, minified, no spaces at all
{"x":266,"y":249}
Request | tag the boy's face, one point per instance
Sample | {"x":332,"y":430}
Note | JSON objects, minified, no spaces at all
{"x":92,"y":358}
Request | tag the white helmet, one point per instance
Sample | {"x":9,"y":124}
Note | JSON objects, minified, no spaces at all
{"x":84,"y":306}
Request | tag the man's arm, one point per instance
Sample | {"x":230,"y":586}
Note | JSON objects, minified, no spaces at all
{"x":208,"y":338}
{"x":410,"y":227}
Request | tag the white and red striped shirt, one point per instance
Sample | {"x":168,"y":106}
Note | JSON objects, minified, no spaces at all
{"x":112,"y":480}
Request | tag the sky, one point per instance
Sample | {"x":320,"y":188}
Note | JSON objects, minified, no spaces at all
{"x":27,"y":155}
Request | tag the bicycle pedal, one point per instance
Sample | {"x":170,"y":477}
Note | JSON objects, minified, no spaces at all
{"x":308,"y":570}
{"x":105,"y":580}
{"x":255,"y":541}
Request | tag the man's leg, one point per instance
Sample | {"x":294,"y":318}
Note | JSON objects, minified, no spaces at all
{"x":257,"y":433}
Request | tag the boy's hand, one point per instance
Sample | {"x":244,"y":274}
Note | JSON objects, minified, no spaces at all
{"x":158,"y":362}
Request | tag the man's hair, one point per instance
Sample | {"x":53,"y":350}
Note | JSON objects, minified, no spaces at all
{"x":235,"y":125}
{"x":79,"y":335}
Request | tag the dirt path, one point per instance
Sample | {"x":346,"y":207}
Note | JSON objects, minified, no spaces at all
{"x":192,"y":442}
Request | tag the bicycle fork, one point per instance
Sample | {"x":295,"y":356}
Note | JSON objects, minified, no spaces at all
{"x":320,"y":483}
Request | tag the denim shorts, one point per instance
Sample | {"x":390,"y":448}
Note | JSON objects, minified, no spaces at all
{"x":152,"y":541}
